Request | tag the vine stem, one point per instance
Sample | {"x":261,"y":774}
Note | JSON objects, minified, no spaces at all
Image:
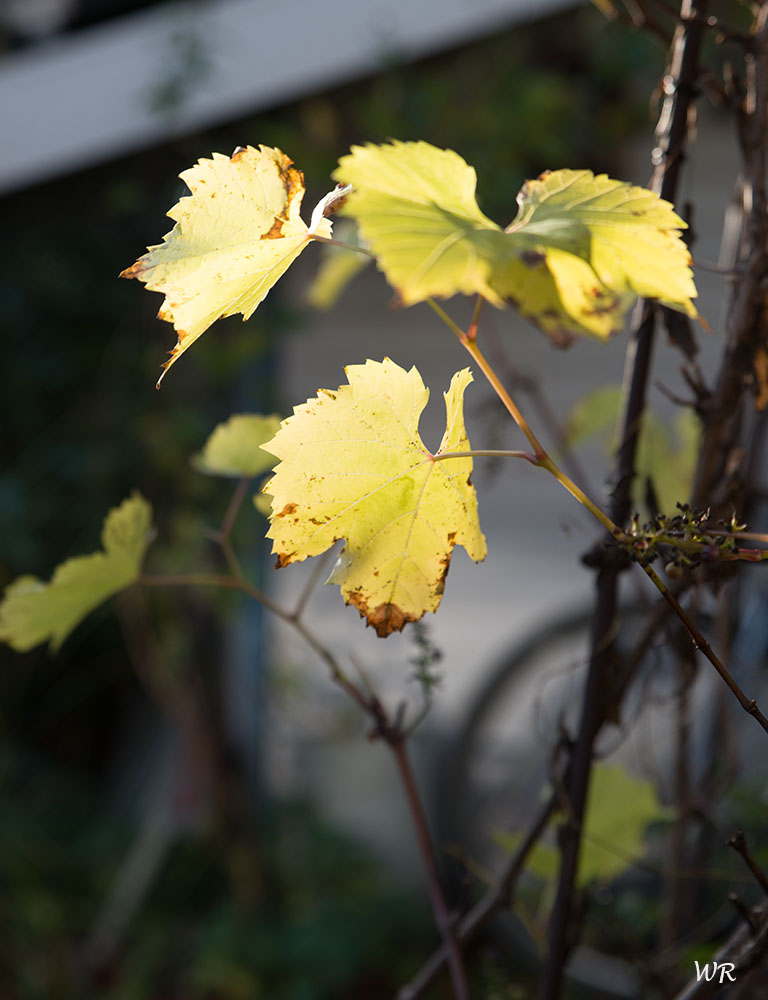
{"x":443,"y":918}
{"x":543,"y":460}
{"x":748,"y":704}
{"x":391,"y":733}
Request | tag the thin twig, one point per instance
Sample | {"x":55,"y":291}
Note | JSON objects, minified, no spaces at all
{"x":318,"y":569}
{"x":745,"y":948}
{"x":233,"y":508}
{"x":391,"y":734}
{"x":445,"y":920}
{"x":739,"y":844}
{"x":675,"y":905}
{"x":498,"y":897}
{"x":748,"y":704}
{"x":743,"y":911}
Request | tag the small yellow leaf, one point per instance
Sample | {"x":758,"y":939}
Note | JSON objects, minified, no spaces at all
{"x":234,"y":447}
{"x":235,"y":236}
{"x":416,"y":207}
{"x":353,"y":466}
{"x":32,"y":611}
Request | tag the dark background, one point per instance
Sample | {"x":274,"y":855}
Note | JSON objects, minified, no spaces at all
{"x":252,"y":896}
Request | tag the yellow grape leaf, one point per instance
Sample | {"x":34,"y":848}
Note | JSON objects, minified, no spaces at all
{"x":594,"y":245}
{"x":234,"y":447}
{"x":580,"y":251}
{"x":416,"y":207}
{"x":32,"y":611}
{"x":353,"y":466}
{"x":235,"y":235}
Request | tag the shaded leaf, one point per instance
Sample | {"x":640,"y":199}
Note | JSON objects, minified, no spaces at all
{"x":338,"y":267}
{"x":665,"y":456}
{"x":32,"y":611}
{"x":594,"y":413}
{"x":580,"y":251}
{"x":234,"y":447}
{"x":619,"y":809}
{"x":235,"y":235}
{"x":262,"y":501}
{"x":353,"y":466}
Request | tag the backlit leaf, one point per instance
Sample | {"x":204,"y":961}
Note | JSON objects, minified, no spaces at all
{"x":235,"y":235}
{"x":354,"y":467}
{"x":32,"y":611}
{"x":580,"y":251}
{"x":234,"y":447}
{"x":416,"y":207}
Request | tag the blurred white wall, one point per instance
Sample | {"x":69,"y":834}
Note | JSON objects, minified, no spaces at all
{"x":138,"y":80}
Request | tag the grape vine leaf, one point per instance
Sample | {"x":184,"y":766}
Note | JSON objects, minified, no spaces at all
{"x":666,"y":453}
{"x":234,"y":447}
{"x":581,"y":249}
{"x":32,"y":611}
{"x":353,"y":466}
{"x":235,"y":236}
{"x":619,"y":809}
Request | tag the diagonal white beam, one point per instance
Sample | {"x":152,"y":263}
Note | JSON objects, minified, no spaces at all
{"x":93,"y":95}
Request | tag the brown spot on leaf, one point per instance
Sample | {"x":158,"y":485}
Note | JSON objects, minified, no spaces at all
{"x":532,"y":258}
{"x":336,"y":200}
{"x":445,"y":562}
{"x":290,"y":508}
{"x":135,"y":270}
{"x":560,"y":336}
{"x":284,"y":559}
{"x":604,"y":304}
{"x":275,"y":232}
{"x":385,"y":618}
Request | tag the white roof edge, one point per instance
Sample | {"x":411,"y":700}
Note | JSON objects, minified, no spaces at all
{"x":89,"y":97}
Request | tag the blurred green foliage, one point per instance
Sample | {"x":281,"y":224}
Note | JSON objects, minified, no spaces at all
{"x":329,"y":926}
